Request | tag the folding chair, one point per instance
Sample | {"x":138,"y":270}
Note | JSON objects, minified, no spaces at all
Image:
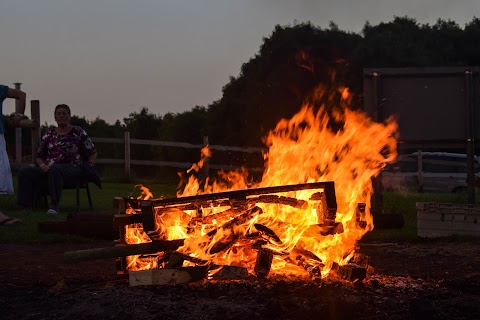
{"x":73,"y":185}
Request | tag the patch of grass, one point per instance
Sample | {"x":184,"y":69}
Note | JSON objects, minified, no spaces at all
{"x":102,"y":199}
{"x":27,"y":232}
{"x":405,"y":205}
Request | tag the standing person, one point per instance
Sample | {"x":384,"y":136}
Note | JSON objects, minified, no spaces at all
{"x":62,"y":153}
{"x":6,"y":183}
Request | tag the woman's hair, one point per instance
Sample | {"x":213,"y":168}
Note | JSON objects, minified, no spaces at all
{"x":62,"y":106}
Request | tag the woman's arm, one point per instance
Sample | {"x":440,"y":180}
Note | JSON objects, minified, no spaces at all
{"x":92,"y":158}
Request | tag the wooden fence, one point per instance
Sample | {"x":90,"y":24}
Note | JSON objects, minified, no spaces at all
{"x":127,"y":161}
{"x":35,"y":132}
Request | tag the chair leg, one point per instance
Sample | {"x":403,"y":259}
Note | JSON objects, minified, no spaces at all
{"x":78,"y":197}
{"x":88,"y":195}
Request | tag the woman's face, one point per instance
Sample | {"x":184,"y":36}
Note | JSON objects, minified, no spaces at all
{"x":62,"y":116}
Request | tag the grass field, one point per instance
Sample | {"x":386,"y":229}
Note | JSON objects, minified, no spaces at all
{"x":26,"y":232}
{"x":102,"y":203}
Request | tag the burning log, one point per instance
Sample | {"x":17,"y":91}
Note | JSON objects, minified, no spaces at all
{"x":263,"y":263}
{"x":308,"y":261}
{"x":240,"y":219}
{"x":231,"y":234}
{"x":350,"y":272}
{"x":230,"y":272}
{"x":269,"y":233}
{"x":225,"y":243}
{"x":325,"y":214}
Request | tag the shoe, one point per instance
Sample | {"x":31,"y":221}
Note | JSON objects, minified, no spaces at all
{"x":53,"y":210}
{"x":7,"y":221}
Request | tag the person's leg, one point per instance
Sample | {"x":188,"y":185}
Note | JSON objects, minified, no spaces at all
{"x":57,"y":176}
{"x":6,"y":184}
{"x":28,"y":180}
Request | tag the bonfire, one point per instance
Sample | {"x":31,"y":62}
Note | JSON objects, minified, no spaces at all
{"x":290,"y":233}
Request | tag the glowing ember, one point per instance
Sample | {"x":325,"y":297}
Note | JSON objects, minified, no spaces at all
{"x":301,"y":150}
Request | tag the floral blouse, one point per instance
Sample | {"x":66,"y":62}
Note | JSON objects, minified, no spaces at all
{"x":73,"y":147}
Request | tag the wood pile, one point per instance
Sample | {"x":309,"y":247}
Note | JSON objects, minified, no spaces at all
{"x":241,"y":208}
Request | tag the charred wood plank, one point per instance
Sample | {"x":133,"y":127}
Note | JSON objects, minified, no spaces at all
{"x":307,"y":260}
{"x":224,"y":243}
{"x":230,"y":272}
{"x":231,"y":234}
{"x":119,"y":204}
{"x":325,"y":230}
{"x":327,"y":186}
{"x":360,"y":215}
{"x":269,"y":233}
{"x":263,"y":263}
{"x":120,"y":220}
{"x":175,"y":261}
{"x":122,"y":250}
{"x":325,"y":214}
{"x":148,"y":219}
{"x":242,"y":218}
{"x":293,"y":202}
{"x":350,"y":272}
{"x":166,"y":276}
{"x":223,"y":215}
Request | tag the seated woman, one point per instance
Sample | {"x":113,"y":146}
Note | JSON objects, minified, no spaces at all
{"x":60,"y":157}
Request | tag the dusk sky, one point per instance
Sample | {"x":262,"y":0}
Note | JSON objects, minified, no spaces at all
{"x":109,"y":58}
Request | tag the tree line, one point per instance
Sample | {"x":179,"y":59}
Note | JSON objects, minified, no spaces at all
{"x":290,"y":64}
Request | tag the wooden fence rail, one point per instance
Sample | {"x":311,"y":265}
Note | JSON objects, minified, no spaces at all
{"x":128,"y":161}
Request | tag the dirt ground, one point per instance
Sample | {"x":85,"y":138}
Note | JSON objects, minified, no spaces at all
{"x":427,"y":280}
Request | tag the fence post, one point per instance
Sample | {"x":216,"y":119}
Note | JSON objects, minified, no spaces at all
{"x":377,"y":197}
{"x":420,"y":170}
{"x":18,"y":130}
{"x":127,"y":154}
{"x":35,"y":115}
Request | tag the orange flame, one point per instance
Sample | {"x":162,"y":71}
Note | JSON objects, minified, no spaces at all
{"x":340,"y":145}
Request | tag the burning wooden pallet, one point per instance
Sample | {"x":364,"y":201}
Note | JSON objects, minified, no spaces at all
{"x":167,"y":262}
